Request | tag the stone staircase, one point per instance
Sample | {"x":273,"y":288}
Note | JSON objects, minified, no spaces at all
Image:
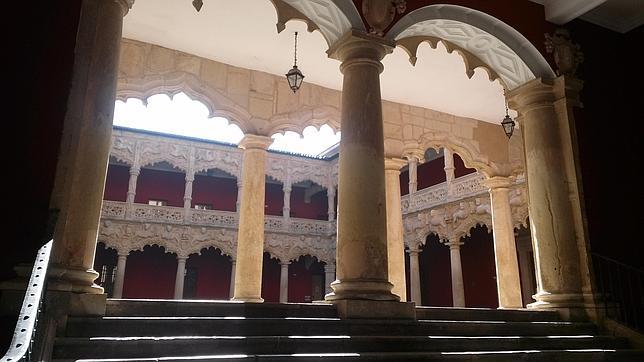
{"x":225,"y":331}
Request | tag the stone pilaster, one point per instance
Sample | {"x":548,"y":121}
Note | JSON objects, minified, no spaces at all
{"x":458,"y":289}
{"x":505,"y":251}
{"x":362,"y":266}
{"x":552,"y":224}
{"x":414,"y":275}
{"x":395,"y":241}
{"x":284,"y":281}
{"x":85,"y":145}
{"x":180,"y":277}
{"x":250,"y":237}
{"x":120,"y":276}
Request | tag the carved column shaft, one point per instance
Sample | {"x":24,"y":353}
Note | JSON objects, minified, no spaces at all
{"x":329,"y":277}
{"x":284,"y":282}
{"x":414,"y":276}
{"x":179,"y":277}
{"x":85,"y":146}
{"x":131,"y":186}
{"x":505,"y":250}
{"x":449,"y":170}
{"x":120,"y":276}
{"x":331,"y":202}
{"x":395,"y":240}
{"x":362,"y":270}
{"x":250,"y":237}
{"x":232,"y":279}
{"x":458,"y":289}
{"x":413,"y":175}
{"x":240,"y":186}
{"x":286,"y":210}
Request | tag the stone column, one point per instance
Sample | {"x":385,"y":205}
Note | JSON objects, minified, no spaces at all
{"x":329,"y":277}
{"x":250,"y":237}
{"x":413,"y":174}
{"x":286,"y":210}
{"x":458,"y":290}
{"x":449,"y":170}
{"x":414,"y":276}
{"x":187,"y":195}
{"x":551,"y":217}
{"x":505,"y":250}
{"x":362,"y":266}
{"x":240,"y":186}
{"x":85,"y":146}
{"x":284,"y":281}
{"x":395,"y":241}
{"x":120,"y":276}
{"x":131,"y":186}
{"x":330,"y":194}
{"x":232,"y":279}
{"x":179,"y":277}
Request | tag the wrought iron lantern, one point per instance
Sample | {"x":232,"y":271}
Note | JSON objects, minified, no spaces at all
{"x":507,"y":123}
{"x":294,"y":76}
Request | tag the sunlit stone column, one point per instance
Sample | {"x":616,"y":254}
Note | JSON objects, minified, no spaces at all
{"x":362,"y":266}
{"x":330,"y":194}
{"x":250,"y":237}
{"x":180,"y":277}
{"x":232,"y":279}
{"x":505,"y":251}
{"x":449,"y":170}
{"x":413,"y":174}
{"x":120,"y":275}
{"x":187,"y":195}
{"x":286,"y":210}
{"x":458,"y":290}
{"x":395,"y":241}
{"x":414,"y":275}
{"x":284,"y":281}
{"x":131,"y":186}
{"x":551,"y":216}
{"x":329,"y":277}
{"x":85,"y":145}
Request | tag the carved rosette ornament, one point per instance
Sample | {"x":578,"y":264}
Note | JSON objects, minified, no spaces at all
{"x":567,"y":54}
{"x":380,"y":13}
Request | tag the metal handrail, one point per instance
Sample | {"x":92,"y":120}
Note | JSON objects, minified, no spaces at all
{"x":622,"y":286}
{"x":22,"y":342}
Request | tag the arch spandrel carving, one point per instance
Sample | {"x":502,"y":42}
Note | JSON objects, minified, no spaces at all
{"x":123,"y":149}
{"x":154,"y":152}
{"x":226,"y":161}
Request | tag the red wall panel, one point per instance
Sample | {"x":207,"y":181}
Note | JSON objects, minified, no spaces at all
{"x":431,"y":173}
{"x":274,"y":199}
{"x":150,"y":274}
{"x":404,"y":182}
{"x":435,"y":273}
{"x":221,"y":193}
{"x":270,"y":279}
{"x":300,"y":279}
{"x":479,"y":270}
{"x":160,"y":185}
{"x":116,"y":183}
{"x":459,"y":167}
{"x":213,"y":274}
{"x":317,"y":208}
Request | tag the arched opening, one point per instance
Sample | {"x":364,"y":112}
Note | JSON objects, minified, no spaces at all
{"x":273,"y":197}
{"x":214,"y":189}
{"x":208,"y":275}
{"x":525,"y":255}
{"x":479,"y":270}
{"x":105,"y":264}
{"x":309,"y":201}
{"x":150,"y":273}
{"x":305,"y":280}
{"x":435,"y":273}
{"x":161,"y":184}
{"x":116,"y":181}
{"x":270,"y":279}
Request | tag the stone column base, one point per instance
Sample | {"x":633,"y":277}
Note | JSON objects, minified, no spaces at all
{"x":361,"y":290}
{"x":569,"y":306}
{"x":248,"y":300}
{"x":73,"y":280}
{"x":361,"y":309}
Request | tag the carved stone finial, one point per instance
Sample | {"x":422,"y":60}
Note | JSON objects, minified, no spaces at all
{"x":568,"y":55}
{"x":380,"y":13}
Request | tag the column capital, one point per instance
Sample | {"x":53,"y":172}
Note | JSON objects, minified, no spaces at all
{"x":394,"y":164}
{"x":182,"y":258}
{"x":123,"y":255}
{"x":498,"y":182}
{"x":413,"y":251}
{"x":329,"y":268}
{"x":126,"y":5}
{"x":413,"y":154}
{"x":251,"y":141}
{"x":285,"y":263}
{"x":357,"y":45}
{"x":135,"y":170}
{"x":454,"y":244}
{"x":537,"y":93}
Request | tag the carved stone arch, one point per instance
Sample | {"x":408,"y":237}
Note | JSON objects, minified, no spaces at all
{"x":150,"y":162}
{"x":296,"y":121}
{"x":277,"y":169}
{"x":483,"y":40}
{"x":468,"y":150}
{"x":172,"y":83}
{"x":123,"y":149}
{"x":464,"y":227}
{"x":331,"y":17}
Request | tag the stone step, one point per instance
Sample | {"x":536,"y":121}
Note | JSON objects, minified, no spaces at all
{"x":142,"y":347}
{"x":209,"y":308}
{"x":232,"y":326}
{"x":595,"y":355}
{"x":486,"y":314}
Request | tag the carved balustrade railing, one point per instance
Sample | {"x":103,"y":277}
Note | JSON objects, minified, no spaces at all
{"x":461,"y":188}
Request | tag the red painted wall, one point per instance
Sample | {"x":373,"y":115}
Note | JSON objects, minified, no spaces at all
{"x":150,"y":274}
{"x":435,"y":274}
{"x":459,"y":167}
{"x":213,"y":274}
{"x":300,"y":279}
{"x":221,"y":193}
{"x":270,"y":279}
{"x":160,"y":185}
{"x":404,"y":182}
{"x":479,"y":273}
{"x":116,"y":183}
{"x":431,"y":173}
{"x":317,"y":208}
{"x":274,"y":199}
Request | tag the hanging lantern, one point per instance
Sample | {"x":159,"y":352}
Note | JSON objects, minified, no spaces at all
{"x":507,"y":123}
{"x":294,"y":76}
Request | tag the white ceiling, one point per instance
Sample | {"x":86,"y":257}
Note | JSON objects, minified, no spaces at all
{"x":618,"y":15}
{"x":242,"y":33}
